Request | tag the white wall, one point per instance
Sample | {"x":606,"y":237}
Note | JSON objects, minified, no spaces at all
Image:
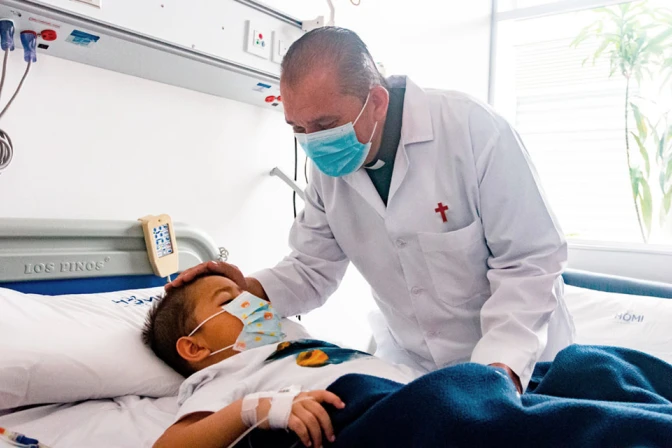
{"x":440,"y":44}
{"x":91,"y":143}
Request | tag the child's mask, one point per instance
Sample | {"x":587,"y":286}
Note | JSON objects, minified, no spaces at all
{"x":261,"y":326}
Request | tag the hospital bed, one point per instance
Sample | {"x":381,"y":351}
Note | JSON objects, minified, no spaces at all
{"x":58,"y":258}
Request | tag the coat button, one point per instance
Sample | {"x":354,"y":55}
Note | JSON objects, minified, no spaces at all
{"x":416,"y":291}
{"x":401,"y":243}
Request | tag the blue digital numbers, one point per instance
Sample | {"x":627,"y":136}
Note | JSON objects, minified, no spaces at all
{"x":162,"y":243}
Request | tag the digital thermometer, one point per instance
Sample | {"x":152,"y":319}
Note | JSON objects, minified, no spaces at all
{"x":161,"y":244}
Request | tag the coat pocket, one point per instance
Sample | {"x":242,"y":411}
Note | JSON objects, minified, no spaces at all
{"x":457,"y":262}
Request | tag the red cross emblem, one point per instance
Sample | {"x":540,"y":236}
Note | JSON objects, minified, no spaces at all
{"x":442,"y":209}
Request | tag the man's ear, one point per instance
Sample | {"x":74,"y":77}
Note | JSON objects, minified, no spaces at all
{"x":191,"y":350}
{"x":380,"y":98}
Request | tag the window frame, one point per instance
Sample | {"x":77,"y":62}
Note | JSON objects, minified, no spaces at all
{"x":555,"y":8}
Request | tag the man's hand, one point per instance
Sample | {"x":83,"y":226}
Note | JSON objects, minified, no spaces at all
{"x":512,"y":374}
{"x":308,"y":418}
{"x":208,"y":268}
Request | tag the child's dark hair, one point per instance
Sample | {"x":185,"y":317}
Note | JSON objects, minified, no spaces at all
{"x":169,"y":320}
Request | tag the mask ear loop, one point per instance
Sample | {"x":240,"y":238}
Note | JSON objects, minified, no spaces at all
{"x":362,"y":111}
{"x":375,"y":126}
{"x":204,"y":322}
{"x":221,"y":350}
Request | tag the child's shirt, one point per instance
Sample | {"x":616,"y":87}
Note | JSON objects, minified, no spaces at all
{"x":310,"y":364}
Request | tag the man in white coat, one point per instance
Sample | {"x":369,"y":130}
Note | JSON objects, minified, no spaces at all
{"x":433,"y":197}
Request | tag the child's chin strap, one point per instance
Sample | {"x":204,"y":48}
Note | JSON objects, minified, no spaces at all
{"x":278,"y":415}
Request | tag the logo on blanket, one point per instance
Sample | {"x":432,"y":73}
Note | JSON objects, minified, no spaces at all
{"x":629,"y":317}
{"x":65,"y":266}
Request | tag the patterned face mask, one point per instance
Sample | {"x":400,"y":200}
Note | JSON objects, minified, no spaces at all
{"x":337,"y":152}
{"x":261,"y":326}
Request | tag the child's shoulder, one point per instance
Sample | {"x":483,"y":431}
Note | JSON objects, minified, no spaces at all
{"x":227,"y":373}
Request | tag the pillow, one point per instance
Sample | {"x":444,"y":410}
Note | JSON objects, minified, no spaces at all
{"x":636,"y":322}
{"x":59,"y":349}
{"x":56,"y":349}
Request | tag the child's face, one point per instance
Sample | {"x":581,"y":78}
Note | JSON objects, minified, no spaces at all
{"x":210,"y":294}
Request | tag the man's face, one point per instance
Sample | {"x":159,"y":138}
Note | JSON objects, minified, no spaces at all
{"x":317,"y":103}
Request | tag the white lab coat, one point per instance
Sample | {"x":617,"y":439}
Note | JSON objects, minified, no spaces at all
{"x":481,"y":287}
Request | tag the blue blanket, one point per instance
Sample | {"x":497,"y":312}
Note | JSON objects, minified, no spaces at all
{"x":588,"y":397}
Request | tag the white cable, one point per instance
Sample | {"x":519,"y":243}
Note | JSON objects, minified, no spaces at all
{"x":6,"y":147}
{"x":6,"y":150}
{"x":4,"y":70}
{"x":18,"y":89}
{"x":261,"y":422}
{"x":357,"y":3}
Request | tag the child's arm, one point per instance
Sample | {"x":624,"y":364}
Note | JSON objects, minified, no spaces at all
{"x":205,"y":429}
{"x":222,"y":428}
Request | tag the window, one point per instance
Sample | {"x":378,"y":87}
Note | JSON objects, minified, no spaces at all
{"x":556,"y":82}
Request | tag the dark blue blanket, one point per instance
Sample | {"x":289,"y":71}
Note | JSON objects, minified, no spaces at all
{"x":588,"y":397}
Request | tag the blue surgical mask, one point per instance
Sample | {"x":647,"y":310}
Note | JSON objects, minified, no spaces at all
{"x":337,"y":152}
{"x":261,"y":326}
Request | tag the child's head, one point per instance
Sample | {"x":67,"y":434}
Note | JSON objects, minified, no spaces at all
{"x":182,"y":309}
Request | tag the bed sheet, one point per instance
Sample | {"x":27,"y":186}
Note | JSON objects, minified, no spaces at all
{"x":125,"y":422}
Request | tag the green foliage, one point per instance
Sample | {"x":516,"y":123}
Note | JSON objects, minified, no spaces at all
{"x":637,"y":40}
{"x":641,"y":192}
{"x":644,"y":153}
{"x":665,"y":179}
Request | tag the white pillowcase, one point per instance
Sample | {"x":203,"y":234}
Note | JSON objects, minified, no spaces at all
{"x":56,"y":349}
{"x":59,"y":349}
{"x":636,"y":322}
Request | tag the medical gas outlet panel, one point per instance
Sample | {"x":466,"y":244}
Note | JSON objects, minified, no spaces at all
{"x":227,"y":48}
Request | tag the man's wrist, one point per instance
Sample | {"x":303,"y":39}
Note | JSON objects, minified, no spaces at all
{"x":255,"y":288}
{"x":514,"y":377}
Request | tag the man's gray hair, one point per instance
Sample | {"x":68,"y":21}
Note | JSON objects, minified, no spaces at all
{"x":334,"y":48}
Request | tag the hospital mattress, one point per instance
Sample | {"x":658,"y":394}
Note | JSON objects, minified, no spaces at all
{"x":131,"y":422}
{"x":623,"y":320}
{"x":601,"y":318}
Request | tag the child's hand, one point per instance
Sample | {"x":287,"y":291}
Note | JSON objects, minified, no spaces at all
{"x":308,"y":418}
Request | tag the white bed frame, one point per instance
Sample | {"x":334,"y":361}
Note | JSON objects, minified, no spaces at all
{"x":48,"y":249}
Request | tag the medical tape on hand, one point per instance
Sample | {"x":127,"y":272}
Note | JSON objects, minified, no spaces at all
{"x":249,"y":409}
{"x":281,"y":407}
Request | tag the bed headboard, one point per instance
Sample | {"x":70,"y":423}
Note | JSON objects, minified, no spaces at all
{"x":50,"y":256}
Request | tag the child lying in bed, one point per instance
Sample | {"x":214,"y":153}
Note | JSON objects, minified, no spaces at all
{"x":243,"y":371}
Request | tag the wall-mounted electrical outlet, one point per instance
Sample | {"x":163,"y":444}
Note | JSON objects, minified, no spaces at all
{"x":281,"y":43}
{"x":96,"y":3}
{"x":258,"y":40}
